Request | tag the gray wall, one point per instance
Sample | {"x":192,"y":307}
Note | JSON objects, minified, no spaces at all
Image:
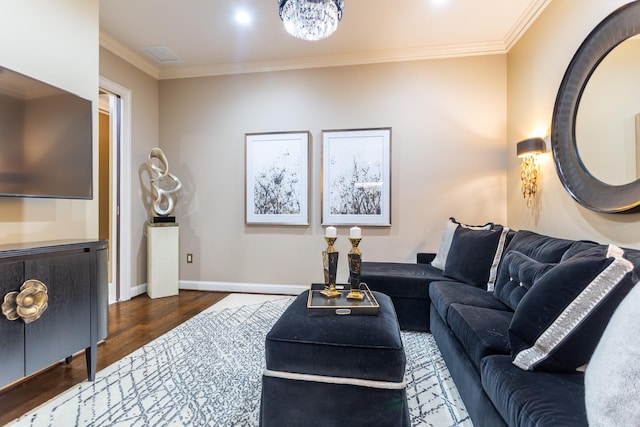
{"x":448,"y":120}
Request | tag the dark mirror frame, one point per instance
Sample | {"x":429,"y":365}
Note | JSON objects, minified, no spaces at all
{"x":587,"y":190}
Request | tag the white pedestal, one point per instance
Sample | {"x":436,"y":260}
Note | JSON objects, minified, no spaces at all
{"x":162,"y":259}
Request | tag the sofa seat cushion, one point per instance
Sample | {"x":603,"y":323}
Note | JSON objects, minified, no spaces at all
{"x":481,"y":331}
{"x":443,"y":294}
{"x":400,"y":279}
{"x":534,"y":398}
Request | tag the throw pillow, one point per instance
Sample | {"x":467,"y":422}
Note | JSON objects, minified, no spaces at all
{"x":517,"y":275}
{"x":611,"y":380}
{"x":474,"y":256}
{"x":536,"y":246}
{"x":559,"y":321}
{"x":447,"y":236}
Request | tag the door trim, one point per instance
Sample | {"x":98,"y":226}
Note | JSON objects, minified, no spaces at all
{"x":124,"y":278}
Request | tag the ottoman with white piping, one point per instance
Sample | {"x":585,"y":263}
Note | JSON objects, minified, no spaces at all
{"x":334,"y":370}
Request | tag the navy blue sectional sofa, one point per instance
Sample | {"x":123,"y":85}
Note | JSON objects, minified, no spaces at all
{"x":516,"y":316}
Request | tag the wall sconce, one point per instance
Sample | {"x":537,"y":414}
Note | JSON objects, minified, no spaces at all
{"x":528,"y":151}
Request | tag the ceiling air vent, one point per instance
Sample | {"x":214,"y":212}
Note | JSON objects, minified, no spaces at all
{"x":161,"y":54}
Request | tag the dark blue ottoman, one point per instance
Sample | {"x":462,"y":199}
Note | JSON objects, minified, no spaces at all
{"x":334,"y":370}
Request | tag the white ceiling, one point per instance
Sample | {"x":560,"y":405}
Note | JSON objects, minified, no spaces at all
{"x":208,"y":40}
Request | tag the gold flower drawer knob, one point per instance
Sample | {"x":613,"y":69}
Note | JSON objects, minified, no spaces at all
{"x":28,"y":304}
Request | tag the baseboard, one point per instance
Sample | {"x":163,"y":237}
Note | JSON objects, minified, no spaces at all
{"x":252,"y":288}
{"x":138,"y":290}
{"x":133,"y":292}
{"x":246,"y":288}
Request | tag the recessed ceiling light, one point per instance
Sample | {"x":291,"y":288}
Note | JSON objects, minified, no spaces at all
{"x":243,"y":17}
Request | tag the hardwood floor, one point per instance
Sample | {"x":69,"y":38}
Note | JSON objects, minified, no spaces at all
{"x":132,"y":324}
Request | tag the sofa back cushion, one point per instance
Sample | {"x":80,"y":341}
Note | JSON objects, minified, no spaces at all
{"x":580,"y":246}
{"x":518,"y":275}
{"x":558,"y":323}
{"x":536,"y":246}
{"x":633,"y":255}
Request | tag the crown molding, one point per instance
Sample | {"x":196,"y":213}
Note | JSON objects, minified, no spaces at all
{"x":525,"y":21}
{"x":359,"y":58}
{"x":118,"y":48}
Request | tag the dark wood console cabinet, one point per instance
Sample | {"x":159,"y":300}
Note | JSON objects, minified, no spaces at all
{"x":75,"y":273}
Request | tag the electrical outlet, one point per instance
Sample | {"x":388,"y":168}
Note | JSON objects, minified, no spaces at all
{"x":189,"y":258}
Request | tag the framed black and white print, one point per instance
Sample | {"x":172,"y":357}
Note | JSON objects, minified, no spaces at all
{"x":356,"y":177}
{"x":277,"y":178}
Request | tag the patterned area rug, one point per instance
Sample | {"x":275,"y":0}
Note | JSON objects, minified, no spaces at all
{"x":207,"y":372}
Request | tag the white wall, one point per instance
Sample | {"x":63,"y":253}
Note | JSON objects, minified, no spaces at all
{"x":448,"y":120}
{"x":536,"y":66}
{"x":56,"y":42}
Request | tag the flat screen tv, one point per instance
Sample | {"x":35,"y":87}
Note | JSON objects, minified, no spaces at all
{"x":46,"y":140}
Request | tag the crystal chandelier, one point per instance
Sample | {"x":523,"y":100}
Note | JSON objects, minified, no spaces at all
{"x":310,"y":19}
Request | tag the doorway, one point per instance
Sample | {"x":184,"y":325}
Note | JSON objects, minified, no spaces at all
{"x":115,"y":184}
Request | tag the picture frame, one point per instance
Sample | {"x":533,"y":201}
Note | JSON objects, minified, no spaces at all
{"x":356,"y":177}
{"x":277,"y":178}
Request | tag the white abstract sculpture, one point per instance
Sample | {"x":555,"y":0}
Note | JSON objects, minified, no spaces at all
{"x":165,"y":186}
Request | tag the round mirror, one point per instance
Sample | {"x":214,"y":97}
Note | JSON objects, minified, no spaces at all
{"x":595,"y":189}
{"x":609,"y":111}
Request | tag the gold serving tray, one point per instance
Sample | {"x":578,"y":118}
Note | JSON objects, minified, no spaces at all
{"x":320,"y":305}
